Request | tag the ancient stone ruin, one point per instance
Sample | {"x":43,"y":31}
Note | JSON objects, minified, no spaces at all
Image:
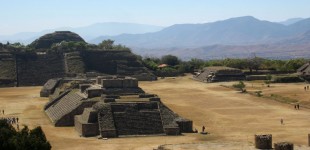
{"x":304,"y":71}
{"x":263,"y":141}
{"x":35,"y":67}
{"x":110,"y":106}
{"x":46,"y":41}
{"x":284,"y":146}
{"x":219,"y":73}
{"x":7,"y":69}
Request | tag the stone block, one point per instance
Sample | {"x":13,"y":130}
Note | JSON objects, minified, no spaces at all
{"x":99,"y":78}
{"x":85,"y":129}
{"x":109,"y":134}
{"x":186,"y":126}
{"x":130,"y":83}
{"x":172,"y":130}
{"x":94,"y":92}
{"x":283,"y":146}
{"x":83,"y":87}
{"x":263,"y":141}
{"x":112,"y":83}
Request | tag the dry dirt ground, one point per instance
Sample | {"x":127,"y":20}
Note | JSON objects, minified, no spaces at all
{"x":230,"y":117}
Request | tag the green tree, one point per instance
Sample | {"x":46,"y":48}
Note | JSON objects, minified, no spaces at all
{"x":170,"y":60}
{"x":150,"y":64}
{"x":254,"y":63}
{"x":196,"y":63}
{"x":106,"y":44}
{"x":294,"y":64}
{"x":23,"y":140}
{"x":235,"y":63}
{"x":185,"y":67}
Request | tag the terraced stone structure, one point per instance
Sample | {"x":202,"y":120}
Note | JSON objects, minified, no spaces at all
{"x":130,"y":116}
{"x":47,"y":40}
{"x":7,"y":69}
{"x":219,"y":73}
{"x":111,"y":107}
{"x":35,"y":67}
{"x":304,"y":71}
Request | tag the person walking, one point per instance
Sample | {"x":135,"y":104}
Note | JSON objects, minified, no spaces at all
{"x":298,"y":106}
{"x":281,"y":121}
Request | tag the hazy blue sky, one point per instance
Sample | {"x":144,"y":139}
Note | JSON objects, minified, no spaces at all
{"x":36,"y":15}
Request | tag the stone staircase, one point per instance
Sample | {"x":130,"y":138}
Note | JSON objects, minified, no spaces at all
{"x":63,"y":106}
{"x":73,"y":63}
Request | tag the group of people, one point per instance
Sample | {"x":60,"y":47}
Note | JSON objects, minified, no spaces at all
{"x":202,"y":130}
{"x":9,"y":119}
{"x":296,"y":106}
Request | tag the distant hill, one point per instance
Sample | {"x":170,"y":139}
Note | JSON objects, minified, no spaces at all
{"x":86,"y":32}
{"x":235,"y":37}
{"x":235,"y":31}
{"x":291,"y":21}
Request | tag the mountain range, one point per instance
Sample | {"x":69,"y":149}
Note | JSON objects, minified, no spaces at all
{"x":87,"y":32}
{"x":234,"y":37}
{"x":235,"y":31}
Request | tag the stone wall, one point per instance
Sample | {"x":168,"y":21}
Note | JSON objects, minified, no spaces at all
{"x":215,"y":74}
{"x":74,"y":63}
{"x":87,"y":123}
{"x":105,"y":119}
{"x":112,"y":83}
{"x":135,"y":122}
{"x":172,"y":120}
{"x":7,"y":69}
{"x":185,"y":125}
{"x":93,"y":92}
{"x":36,"y":69}
{"x":7,"y":65}
{"x":85,"y":129}
{"x":115,"y":63}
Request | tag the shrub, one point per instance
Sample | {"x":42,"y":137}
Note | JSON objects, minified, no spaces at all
{"x":22,"y":140}
{"x":240,"y":86}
